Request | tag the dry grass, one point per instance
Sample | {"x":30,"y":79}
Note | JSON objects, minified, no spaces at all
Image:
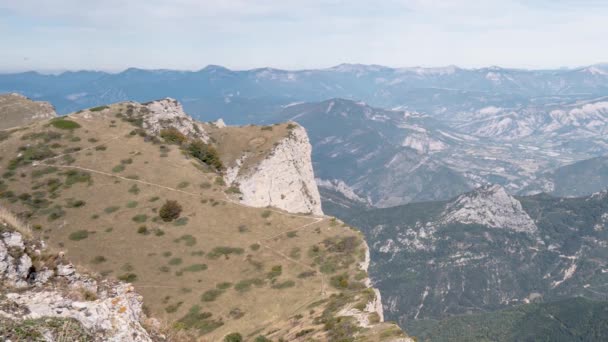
{"x":12,"y":220}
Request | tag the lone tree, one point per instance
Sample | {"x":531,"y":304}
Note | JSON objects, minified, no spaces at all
{"x":170,"y":211}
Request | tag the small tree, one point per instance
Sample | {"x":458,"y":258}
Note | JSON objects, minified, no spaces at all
{"x":234,"y":337}
{"x":170,"y":211}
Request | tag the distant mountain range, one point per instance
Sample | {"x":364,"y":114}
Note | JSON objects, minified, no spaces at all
{"x":239,"y":96}
{"x":387,"y":136}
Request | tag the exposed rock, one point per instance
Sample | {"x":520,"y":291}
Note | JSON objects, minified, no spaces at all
{"x":284,"y":179}
{"x":107,"y":310}
{"x":167,"y":113}
{"x":490,"y":206}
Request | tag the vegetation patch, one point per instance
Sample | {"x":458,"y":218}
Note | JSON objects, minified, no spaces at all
{"x":98,"y":109}
{"x":284,"y":285}
{"x":225,"y":251}
{"x":188,"y":239}
{"x":78,"y":235}
{"x":195,"y":319}
{"x":195,"y":268}
{"x":211,"y":295}
{"x":170,"y":211}
{"x":62,"y":123}
{"x":246,"y":284}
{"x":205,"y":153}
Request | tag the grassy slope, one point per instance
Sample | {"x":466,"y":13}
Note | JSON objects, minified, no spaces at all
{"x":573,"y":319}
{"x":104,"y":234}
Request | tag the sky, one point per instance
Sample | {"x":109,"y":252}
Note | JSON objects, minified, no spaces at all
{"x":112,"y":35}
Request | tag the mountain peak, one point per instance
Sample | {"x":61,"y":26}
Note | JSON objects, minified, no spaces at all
{"x":492,"y":206}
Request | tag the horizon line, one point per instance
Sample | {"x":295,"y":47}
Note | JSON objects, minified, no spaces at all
{"x":57,"y":72}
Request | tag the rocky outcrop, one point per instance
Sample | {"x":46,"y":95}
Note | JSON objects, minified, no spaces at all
{"x":489,"y":206}
{"x":284,"y":179}
{"x":35,"y":285}
{"x":168,"y":112}
{"x":18,"y":110}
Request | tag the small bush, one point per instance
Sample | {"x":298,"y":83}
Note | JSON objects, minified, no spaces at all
{"x":79,"y":235}
{"x":225,"y":251}
{"x":170,"y":211}
{"x":266,"y":213}
{"x":118,"y":168}
{"x":143,"y":230}
{"x":98,"y":109}
{"x":223,"y":286}
{"x":98,"y":259}
{"x":64,"y":124}
{"x":234,"y":337}
{"x":246,"y":284}
{"x":284,"y":285}
{"x":141,"y":218}
{"x":183,"y":185}
{"x":195,"y":268}
{"x":132,"y":204}
{"x":175,"y":261}
{"x":111,"y":209}
{"x":275,"y":271}
{"x":205,"y":153}
{"x":262,"y":339}
{"x":255,"y":246}
{"x":211,"y":295}
{"x":128,"y":277}
{"x":173,"y":136}
{"x":134,"y":189}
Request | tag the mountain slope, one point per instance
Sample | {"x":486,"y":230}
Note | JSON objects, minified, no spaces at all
{"x":17,"y":110}
{"x":99,"y":182}
{"x":573,"y":319}
{"x":484,"y":251}
{"x":582,"y":178}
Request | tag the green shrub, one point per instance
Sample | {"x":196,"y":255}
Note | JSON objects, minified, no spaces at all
{"x":98,"y":109}
{"x":262,"y":339}
{"x":143,"y":230}
{"x":141,"y":218}
{"x":98,"y":259}
{"x":111,"y":209}
{"x":170,"y":211}
{"x":195,"y":268}
{"x":173,"y":136}
{"x":275,"y":271}
{"x":64,"y":124}
{"x":132,"y":204}
{"x":118,"y":168}
{"x":266,"y":213}
{"x":175,"y":261}
{"x":211,"y":295}
{"x":255,"y":246}
{"x":234,"y":337}
{"x":225,"y":251}
{"x":128,"y":277}
{"x":79,"y":235}
{"x":182,"y":185}
{"x":188,"y":239}
{"x":284,"y":285}
{"x":134,"y":189}
{"x":205,"y":153}
{"x":224,"y":285}
{"x":246,"y":284}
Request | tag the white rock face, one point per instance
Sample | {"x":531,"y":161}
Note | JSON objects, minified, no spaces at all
{"x":284,"y":179}
{"x":490,"y":206}
{"x":167,"y":113}
{"x":114,"y":316}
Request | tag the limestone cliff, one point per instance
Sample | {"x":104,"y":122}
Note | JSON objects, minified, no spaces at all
{"x":283,"y":179}
{"x":44,"y":288}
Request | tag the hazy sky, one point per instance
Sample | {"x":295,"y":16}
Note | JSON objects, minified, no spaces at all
{"x":189,"y":34}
